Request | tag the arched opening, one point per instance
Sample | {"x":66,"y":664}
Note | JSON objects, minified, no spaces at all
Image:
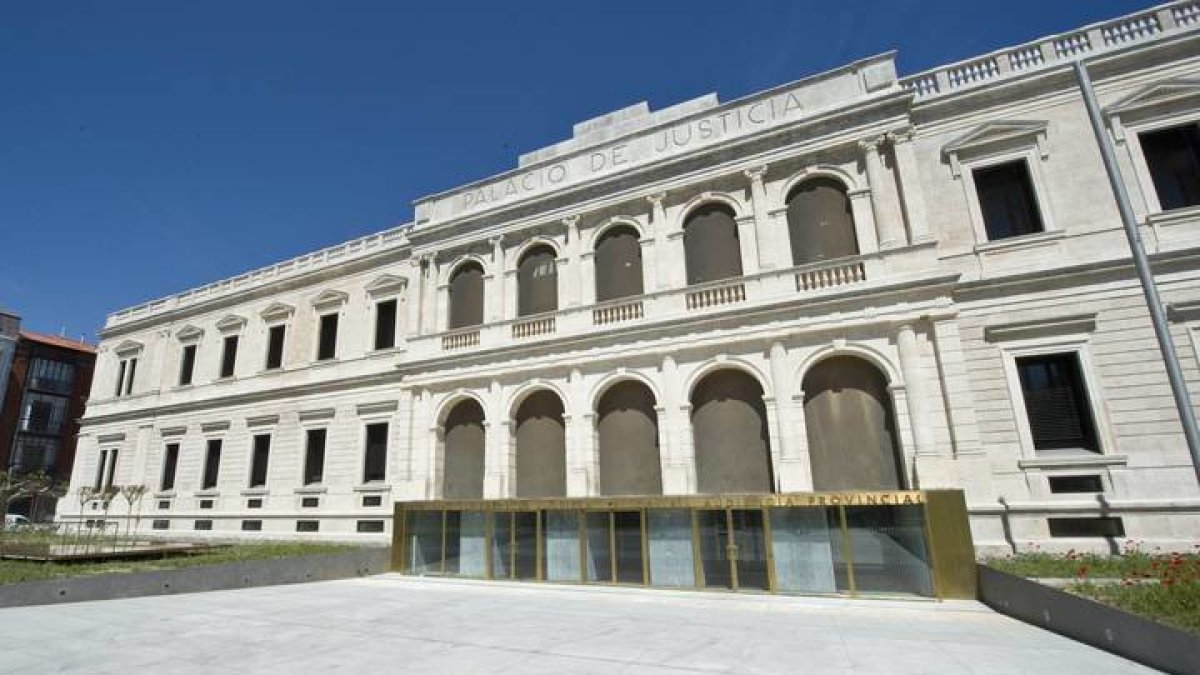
{"x":729,"y":426}
{"x":466,"y":296}
{"x":541,"y":446}
{"x":627,"y":426}
{"x":851,"y":428}
{"x":820,"y":223}
{"x":710,"y":244}
{"x":618,"y":264}
{"x":463,"y":451}
{"x":537,"y":281}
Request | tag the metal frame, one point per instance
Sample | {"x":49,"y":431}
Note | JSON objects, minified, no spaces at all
{"x":945,"y":531}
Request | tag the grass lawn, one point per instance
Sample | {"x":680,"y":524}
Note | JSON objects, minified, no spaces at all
{"x":13,"y":571}
{"x":1163,"y":587}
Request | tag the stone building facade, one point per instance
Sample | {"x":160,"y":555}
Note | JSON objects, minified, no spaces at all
{"x":853,"y":281}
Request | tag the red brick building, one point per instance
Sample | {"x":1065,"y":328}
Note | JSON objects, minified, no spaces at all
{"x":44,"y":398}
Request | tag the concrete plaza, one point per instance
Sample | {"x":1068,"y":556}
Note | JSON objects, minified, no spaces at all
{"x":390,"y":623}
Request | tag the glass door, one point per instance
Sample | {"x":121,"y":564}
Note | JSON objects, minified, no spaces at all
{"x":715,"y":548}
{"x":732,"y":548}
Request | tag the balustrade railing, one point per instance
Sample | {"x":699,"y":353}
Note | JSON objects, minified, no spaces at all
{"x":625,"y":311}
{"x":461,"y":339}
{"x":830,"y":276}
{"x":712,"y":296}
{"x":533,"y":327}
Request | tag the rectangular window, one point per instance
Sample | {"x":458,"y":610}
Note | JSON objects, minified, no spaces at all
{"x":372,"y":500}
{"x":121,"y":377}
{"x":1007,"y":200}
{"x":1086,"y":527}
{"x":212,"y":464}
{"x":42,"y":413}
{"x":202,"y":525}
{"x":385,"y":324}
{"x":307,"y":525}
{"x":161,"y":524}
{"x":327,"y":345}
{"x":111,"y":470}
{"x":370,"y":526}
{"x":229,"y":355}
{"x":33,"y":453}
{"x":258,"y":462}
{"x":100,"y":460}
{"x":251,"y":525}
{"x":55,"y":377}
{"x":1173,"y":157}
{"x":187,"y":364}
{"x":129,"y":374}
{"x":275,"y":346}
{"x":170,"y":462}
{"x":310,"y":503}
{"x":1076,"y":484}
{"x":375,"y":461}
{"x":1056,"y":402}
{"x":206,"y":503}
{"x":314,"y":457}
{"x":164,"y":504}
{"x":255,"y":503}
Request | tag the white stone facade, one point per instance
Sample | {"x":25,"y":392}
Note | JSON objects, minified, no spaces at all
{"x":942,"y":312}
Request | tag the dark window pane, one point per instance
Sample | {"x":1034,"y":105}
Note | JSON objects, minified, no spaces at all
{"x":466,"y":296}
{"x":161,"y":524}
{"x":820,"y":224}
{"x":372,"y":500}
{"x":99,"y":482}
{"x":1007,"y":200}
{"x":212,"y":464}
{"x":1173,"y":157}
{"x":327,"y":346}
{"x":120,"y":377}
{"x":55,"y":377}
{"x":314,"y":457}
{"x":307,"y":525}
{"x":112,"y":468}
{"x":385,"y":324}
{"x":1086,"y":527}
{"x":129,"y":376}
{"x":1056,"y":402}
{"x":370,"y":526}
{"x":202,"y":525}
{"x":275,"y":346}
{"x":375,"y":462}
{"x":1075,"y":484}
{"x":258,"y":463}
{"x":251,"y":525}
{"x":711,"y":245}
{"x":618,"y":264}
{"x":537,"y":281}
{"x":170,"y":461}
{"x":229,"y":355}
{"x":187,"y":364}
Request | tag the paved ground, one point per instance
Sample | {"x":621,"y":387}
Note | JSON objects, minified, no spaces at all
{"x":390,"y":624}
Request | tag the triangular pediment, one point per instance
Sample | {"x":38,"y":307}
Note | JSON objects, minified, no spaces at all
{"x":189,"y":332}
{"x":128,"y":347}
{"x":330,"y":297}
{"x":276,"y":310}
{"x":1157,"y":94}
{"x":231,"y":322}
{"x":386,"y":283}
{"x":990,"y":133}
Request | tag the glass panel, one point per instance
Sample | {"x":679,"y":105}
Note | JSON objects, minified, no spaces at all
{"x":841,"y":569}
{"x":560,"y":530}
{"x":453,"y":522}
{"x":465,"y":547}
{"x":714,"y":549}
{"x":525,"y":523}
{"x":751,"y":548}
{"x":424,"y":542}
{"x":802,"y":549}
{"x":502,"y":546}
{"x":888,"y":549}
{"x":670,"y":542}
{"x":599,"y":557}
{"x":628,"y":538}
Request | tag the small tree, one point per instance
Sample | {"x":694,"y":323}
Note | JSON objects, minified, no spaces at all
{"x":133,"y":497}
{"x":107,"y":494}
{"x":86,"y":494}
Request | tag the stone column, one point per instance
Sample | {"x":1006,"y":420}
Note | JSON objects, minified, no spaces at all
{"x":801,"y":473}
{"x":864,"y":221}
{"x":574,"y":285}
{"x":429,"y":296}
{"x":917,"y":393}
{"x":494,"y":284}
{"x":748,"y":241}
{"x":658,"y":226}
{"x":416,"y":286}
{"x":909,"y":176}
{"x":765,"y":235}
{"x":496,"y":460}
{"x":883,"y":201}
{"x":587,"y":278}
{"x":784,"y":439}
{"x":678,"y":461}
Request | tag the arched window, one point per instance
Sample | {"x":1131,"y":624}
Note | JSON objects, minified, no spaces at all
{"x":618,"y":264}
{"x":820,"y":223}
{"x":729,"y":427}
{"x":541,"y":446}
{"x":851,"y":428}
{"x":462,"y":445}
{"x":710,"y":244}
{"x":627,"y":427}
{"x":466,"y":296}
{"x":537,"y":281}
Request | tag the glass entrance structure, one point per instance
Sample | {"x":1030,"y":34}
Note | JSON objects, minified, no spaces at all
{"x":910,"y":543}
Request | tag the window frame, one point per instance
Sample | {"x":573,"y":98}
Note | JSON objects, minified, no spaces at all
{"x":375,"y":316}
{"x":1143,"y":178}
{"x":1078,"y":345}
{"x":1037,"y":183}
{"x":162,"y":472}
{"x":304,"y":434}
{"x":253,"y":456}
{"x":208,"y":447}
{"x":362,"y":468}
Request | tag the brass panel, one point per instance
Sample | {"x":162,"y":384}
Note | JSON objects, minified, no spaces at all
{"x":950,"y":545}
{"x":815,"y":499}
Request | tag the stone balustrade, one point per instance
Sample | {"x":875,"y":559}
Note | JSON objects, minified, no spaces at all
{"x":1055,"y":50}
{"x":617,"y":313}
{"x":460,"y":339}
{"x":720,"y":294}
{"x":543,"y":325}
{"x":829,"y":276}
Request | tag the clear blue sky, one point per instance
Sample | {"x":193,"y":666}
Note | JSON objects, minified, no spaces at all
{"x":149,"y":147}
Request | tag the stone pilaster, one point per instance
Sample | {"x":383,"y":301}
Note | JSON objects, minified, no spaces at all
{"x":909,"y":177}
{"x":765,"y":236}
{"x":658,"y":225}
{"x":883,"y":195}
{"x":575,"y":281}
{"x":494,"y":285}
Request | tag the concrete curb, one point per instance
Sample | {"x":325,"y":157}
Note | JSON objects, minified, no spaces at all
{"x":247,"y":574}
{"x":1092,"y":623}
